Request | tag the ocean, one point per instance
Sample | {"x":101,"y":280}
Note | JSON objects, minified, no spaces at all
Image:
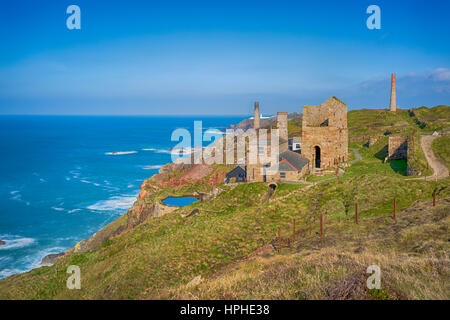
{"x":63,"y":178}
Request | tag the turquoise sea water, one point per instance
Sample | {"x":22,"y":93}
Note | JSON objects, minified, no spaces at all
{"x":62,"y":178}
{"x":181,"y":201}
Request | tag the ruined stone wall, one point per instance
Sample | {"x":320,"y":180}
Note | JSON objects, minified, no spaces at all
{"x":398,"y":148}
{"x":325,"y":126}
{"x":288,"y":175}
{"x":255,"y":173}
{"x":409,"y":170}
{"x":282,"y":124}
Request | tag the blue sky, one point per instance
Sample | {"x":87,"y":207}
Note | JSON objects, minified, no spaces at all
{"x":217,"y":57}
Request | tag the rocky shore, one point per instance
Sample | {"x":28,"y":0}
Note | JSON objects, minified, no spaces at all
{"x":148,"y":206}
{"x":51,"y":258}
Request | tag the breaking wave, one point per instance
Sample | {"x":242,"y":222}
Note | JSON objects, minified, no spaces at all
{"x":29,"y":262}
{"x":157,"y":150}
{"x":119,"y":153}
{"x":157,"y":166}
{"x":114,"y":203}
{"x":15,"y":242}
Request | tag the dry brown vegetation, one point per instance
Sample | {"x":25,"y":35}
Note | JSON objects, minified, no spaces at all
{"x":412,"y":253}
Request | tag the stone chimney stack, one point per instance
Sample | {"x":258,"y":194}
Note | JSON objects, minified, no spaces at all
{"x":282,"y":124}
{"x":256,"y":125}
{"x":393,"y":105}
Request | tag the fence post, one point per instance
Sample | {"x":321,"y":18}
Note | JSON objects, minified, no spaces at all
{"x":434,"y":199}
{"x":279,"y":240}
{"x":321,"y":225}
{"x":395,"y":207}
{"x":356,"y":213}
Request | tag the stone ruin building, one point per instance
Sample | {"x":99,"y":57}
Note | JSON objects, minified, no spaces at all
{"x":325,"y":134}
{"x":397,"y":148}
{"x":402,"y":147}
{"x":323,"y":143}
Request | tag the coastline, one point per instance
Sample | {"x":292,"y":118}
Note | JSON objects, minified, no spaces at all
{"x":53,"y":256}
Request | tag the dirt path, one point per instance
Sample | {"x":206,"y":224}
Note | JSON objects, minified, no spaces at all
{"x":440,"y":170}
{"x":357,"y":155}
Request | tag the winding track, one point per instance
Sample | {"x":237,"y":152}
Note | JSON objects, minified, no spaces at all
{"x":439,"y":168}
{"x":357,"y":155}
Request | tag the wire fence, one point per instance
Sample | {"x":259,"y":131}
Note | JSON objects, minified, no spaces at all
{"x":288,"y":241}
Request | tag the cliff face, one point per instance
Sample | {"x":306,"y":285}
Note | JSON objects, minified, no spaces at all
{"x":172,"y":177}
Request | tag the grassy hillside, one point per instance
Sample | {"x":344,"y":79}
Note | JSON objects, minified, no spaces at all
{"x":441,"y":147}
{"x":411,"y":252}
{"x":165,"y":253}
{"x":430,"y":119}
{"x":160,"y":256}
{"x":371,"y":122}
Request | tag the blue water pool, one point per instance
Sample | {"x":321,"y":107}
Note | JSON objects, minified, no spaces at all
{"x":180,"y":202}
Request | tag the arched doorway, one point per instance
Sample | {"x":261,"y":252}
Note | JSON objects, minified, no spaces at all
{"x":317,"y":156}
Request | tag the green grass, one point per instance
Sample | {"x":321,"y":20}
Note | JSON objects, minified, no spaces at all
{"x":430,"y":119}
{"x":368,"y":122}
{"x":441,"y":148}
{"x":294,"y":127}
{"x":167,"y":252}
{"x":314,"y":178}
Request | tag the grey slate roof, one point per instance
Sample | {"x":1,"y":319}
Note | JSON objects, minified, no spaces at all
{"x":237,"y":171}
{"x":284,"y":166}
{"x":294,"y":159}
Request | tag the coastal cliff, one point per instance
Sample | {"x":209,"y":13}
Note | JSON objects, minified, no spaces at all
{"x":173,"y":180}
{"x":230,"y":240}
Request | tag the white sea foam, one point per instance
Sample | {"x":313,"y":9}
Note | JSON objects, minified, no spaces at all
{"x":90,"y":182}
{"x":75,"y":174}
{"x":31,"y":262}
{"x":15,"y":242}
{"x":111,"y":188}
{"x":157,"y":166}
{"x":73,"y":210}
{"x":114,"y":203}
{"x":58,"y":209}
{"x":119,"y":153}
{"x":157,"y":150}
{"x":16,"y":195}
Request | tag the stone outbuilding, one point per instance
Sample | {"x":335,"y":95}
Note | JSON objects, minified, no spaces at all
{"x":292,"y":167}
{"x":238,"y":174}
{"x":397,"y":148}
{"x":325,"y":133}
